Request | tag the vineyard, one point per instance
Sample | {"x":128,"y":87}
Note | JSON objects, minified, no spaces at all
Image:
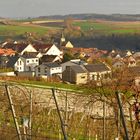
{"x":50,"y":114}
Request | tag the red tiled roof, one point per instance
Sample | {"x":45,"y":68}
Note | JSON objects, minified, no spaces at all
{"x":2,"y":51}
{"x":7,"y":52}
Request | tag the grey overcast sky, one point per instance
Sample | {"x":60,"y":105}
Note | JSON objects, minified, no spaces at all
{"x":29,"y":8}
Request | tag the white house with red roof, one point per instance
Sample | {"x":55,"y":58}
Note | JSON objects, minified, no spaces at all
{"x":49,"y":49}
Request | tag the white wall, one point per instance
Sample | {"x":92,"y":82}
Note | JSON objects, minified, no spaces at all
{"x":23,"y":64}
{"x":19,"y":65}
{"x":29,"y":48}
{"x":31,"y":63}
{"x":55,"y":70}
{"x":54,"y":51}
{"x":45,"y":71}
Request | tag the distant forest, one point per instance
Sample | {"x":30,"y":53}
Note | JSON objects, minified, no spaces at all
{"x":111,"y":17}
{"x":119,"y":42}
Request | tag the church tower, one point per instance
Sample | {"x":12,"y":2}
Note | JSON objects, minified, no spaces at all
{"x":62,"y":41}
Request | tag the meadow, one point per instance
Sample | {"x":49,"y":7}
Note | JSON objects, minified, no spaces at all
{"x":20,"y":29}
{"x":43,"y":27}
{"x":109,"y":27}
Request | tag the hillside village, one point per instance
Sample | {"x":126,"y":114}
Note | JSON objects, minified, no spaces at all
{"x":64,"y":61}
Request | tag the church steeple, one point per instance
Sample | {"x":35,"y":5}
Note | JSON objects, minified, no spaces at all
{"x":62,"y":39}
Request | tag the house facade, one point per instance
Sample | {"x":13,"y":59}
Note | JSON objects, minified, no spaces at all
{"x":75,"y":74}
{"x":69,"y":45}
{"x":73,"y":62}
{"x":24,"y":64}
{"x":48,"y":69}
{"x":53,"y":50}
{"x":20,"y":48}
{"x":98,"y":72}
{"x":134,"y":74}
{"x":28,"y":48}
{"x":81,"y":74}
{"x":118,"y":64}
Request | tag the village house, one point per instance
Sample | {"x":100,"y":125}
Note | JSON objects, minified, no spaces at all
{"x":69,"y":45}
{"x":75,"y":74}
{"x":3,"y":61}
{"x":23,"y":63}
{"x":53,"y":50}
{"x":98,"y":71}
{"x":7,"y":52}
{"x":5,"y":55}
{"x":118,"y":64}
{"x":11,"y":61}
{"x":48,"y":69}
{"x":33,"y":54}
{"x":134,"y":75}
{"x":137,"y":57}
{"x":129,"y":61}
{"x":72,"y":63}
{"x":81,"y":74}
{"x":28,"y":48}
{"x":49,"y":49}
{"x":114,"y":54}
{"x":128,"y":53}
{"x":20,"y":48}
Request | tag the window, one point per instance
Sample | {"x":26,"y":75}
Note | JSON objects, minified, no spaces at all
{"x":32,"y":60}
{"x":45,"y":70}
{"x":93,"y":77}
{"x":102,"y":76}
{"x":29,"y":68}
{"x":38,"y":69}
{"x":36,"y":60}
{"x":98,"y":76}
{"x":20,"y":62}
{"x":106,"y":76}
{"x":27,"y":61}
{"x":83,"y":77}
